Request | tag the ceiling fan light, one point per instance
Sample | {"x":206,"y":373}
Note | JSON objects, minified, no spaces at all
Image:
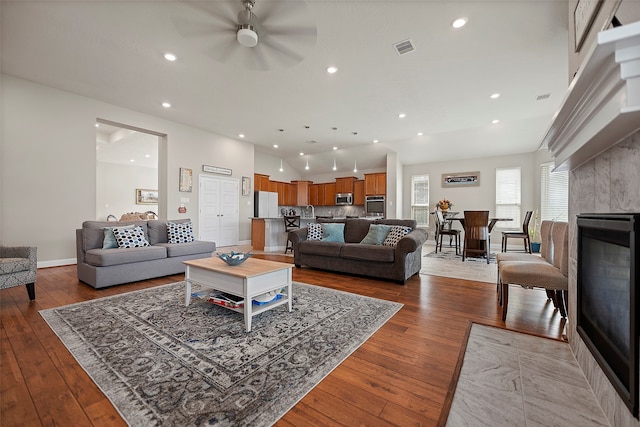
{"x":247,"y":36}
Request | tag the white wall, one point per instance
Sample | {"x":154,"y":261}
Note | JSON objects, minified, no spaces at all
{"x":49,"y":167}
{"x":482,"y":197}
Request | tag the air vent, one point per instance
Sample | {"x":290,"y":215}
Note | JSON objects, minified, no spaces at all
{"x":541,"y":97}
{"x":404,"y":47}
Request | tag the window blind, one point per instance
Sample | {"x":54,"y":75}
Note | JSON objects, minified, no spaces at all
{"x":420,"y":199}
{"x":554,"y":194}
{"x":508,"y":197}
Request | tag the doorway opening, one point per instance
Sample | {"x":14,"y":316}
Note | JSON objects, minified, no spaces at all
{"x":128,"y":175}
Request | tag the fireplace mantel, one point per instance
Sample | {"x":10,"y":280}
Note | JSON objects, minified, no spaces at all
{"x":602,"y":104}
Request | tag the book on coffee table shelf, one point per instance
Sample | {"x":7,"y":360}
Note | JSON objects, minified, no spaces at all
{"x":220,"y":298}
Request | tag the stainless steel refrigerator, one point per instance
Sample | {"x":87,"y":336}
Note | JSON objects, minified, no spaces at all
{"x":265,"y":204}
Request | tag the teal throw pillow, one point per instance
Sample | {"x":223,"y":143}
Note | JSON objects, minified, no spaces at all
{"x":376,"y":235}
{"x":109,"y":241}
{"x":333,"y":232}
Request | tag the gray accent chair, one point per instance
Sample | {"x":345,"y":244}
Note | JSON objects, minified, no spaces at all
{"x":18,"y":266}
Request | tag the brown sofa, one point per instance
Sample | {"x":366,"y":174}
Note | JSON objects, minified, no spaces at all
{"x":397,"y":263}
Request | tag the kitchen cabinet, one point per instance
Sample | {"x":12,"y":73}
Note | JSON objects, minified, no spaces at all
{"x":272,"y":186}
{"x":282,"y":193}
{"x":345,"y":184}
{"x":358,"y":193}
{"x":302,"y":192}
{"x":375,"y":184}
{"x":260,"y":182}
{"x":291,"y":194}
{"x":329,"y":194}
{"x":316,"y":194}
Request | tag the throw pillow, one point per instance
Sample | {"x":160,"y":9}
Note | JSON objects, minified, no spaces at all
{"x":376,"y":235}
{"x":180,"y":232}
{"x":333,"y":232}
{"x":130,"y":237}
{"x":396,"y":233}
{"x":314,"y":231}
{"x":109,"y":241}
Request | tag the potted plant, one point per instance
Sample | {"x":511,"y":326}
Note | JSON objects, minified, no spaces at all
{"x":534,"y":234}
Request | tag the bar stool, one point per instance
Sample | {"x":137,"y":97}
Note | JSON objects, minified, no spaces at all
{"x":291,"y":223}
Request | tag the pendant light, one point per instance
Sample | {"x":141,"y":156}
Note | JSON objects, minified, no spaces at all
{"x":281,"y":168}
{"x":307,"y":166}
{"x":335,"y":147}
{"x":355,"y":165}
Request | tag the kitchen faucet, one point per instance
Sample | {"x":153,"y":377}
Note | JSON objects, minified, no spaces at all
{"x":313,"y":212}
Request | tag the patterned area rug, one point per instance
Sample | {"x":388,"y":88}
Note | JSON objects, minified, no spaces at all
{"x":161,"y":363}
{"x":448,"y":264}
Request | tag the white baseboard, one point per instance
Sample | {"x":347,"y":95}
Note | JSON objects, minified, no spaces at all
{"x":57,"y":262}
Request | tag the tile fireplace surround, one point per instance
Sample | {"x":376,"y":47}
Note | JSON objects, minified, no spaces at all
{"x":595,"y":134}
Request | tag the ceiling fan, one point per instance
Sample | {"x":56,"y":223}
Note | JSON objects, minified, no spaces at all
{"x":259,"y":35}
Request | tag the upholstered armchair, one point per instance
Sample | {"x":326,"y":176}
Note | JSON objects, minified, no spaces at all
{"x":18,"y":266}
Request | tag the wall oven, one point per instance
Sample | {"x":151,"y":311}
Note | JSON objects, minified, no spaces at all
{"x":374,"y":205}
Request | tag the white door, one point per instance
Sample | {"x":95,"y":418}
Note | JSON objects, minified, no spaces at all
{"x":219,"y":210}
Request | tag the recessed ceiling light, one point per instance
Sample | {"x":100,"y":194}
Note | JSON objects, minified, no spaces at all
{"x":335,"y":148}
{"x":495,"y":121}
{"x":131,"y":160}
{"x":97,"y":125}
{"x":420,"y":134}
{"x":241,"y":135}
{"x":332,"y":69}
{"x":147,"y":155}
{"x":375,"y":141}
{"x":402,"y":115}
{"x":170,"y":56}
{"x":458,"y":23}
{"x":301,"y":153}
{"x":495,"y":95}
{"x":275,"y":145}
{"x":166,"y":105}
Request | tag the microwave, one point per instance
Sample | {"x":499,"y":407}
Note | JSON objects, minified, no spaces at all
{"x":344,"y":199}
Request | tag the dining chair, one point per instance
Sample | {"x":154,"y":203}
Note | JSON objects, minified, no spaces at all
{"x":523,"y":234}
{"x":443,"y":229}
{"x":291,"y":223}
{"x":477,"y":238}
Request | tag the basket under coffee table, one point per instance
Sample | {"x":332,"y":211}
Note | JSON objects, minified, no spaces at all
{"x":252,"y":278}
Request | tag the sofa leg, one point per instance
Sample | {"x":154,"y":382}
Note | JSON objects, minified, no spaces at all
{"x":31,"y":290}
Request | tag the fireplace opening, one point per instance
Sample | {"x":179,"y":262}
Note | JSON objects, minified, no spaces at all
{"x":607,"y":298}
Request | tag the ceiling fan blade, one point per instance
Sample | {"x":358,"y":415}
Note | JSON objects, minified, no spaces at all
{"x":291,"y":30}
{"x":223,"y":11}
{"x":285,"y":53}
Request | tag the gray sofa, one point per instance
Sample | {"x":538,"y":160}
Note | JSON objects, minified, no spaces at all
{"x":396,"y":263}
{"x":100,"y":267}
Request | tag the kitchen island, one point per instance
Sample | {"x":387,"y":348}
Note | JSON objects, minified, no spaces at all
{"x":267,"y":234}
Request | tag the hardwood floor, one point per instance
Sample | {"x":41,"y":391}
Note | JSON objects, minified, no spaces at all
{"x":399,"y":377}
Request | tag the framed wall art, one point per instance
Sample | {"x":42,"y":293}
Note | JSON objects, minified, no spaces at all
{"x":461,"y":179}
{"x":246,"y":185}
{"x":186,"y":180}
{"x":216,"y":169}
{"x":146,"y":197}
{"x":583,"y":17}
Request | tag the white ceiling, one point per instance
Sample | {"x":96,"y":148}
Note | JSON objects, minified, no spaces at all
{"x":113,"y":51}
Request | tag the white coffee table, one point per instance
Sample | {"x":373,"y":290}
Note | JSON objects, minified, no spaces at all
{"x":252,"y":278}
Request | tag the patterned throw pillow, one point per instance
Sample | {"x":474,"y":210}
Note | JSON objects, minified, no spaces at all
{"x":376,"y":235}
{"x":180,"y":232}
{"x":314,"y":231}
{"x":333,"y":232}
{"x":109,"y":241}
{"x":130,"y":237}
{"x":396,"y":233}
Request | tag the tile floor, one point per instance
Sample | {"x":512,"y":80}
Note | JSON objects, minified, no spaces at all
{"x":513,"y":379}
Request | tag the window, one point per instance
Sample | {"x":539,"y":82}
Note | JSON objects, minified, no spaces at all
{"x":554,"y":194}
{"x":420,"y":199}
{"x":508,"y":191}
